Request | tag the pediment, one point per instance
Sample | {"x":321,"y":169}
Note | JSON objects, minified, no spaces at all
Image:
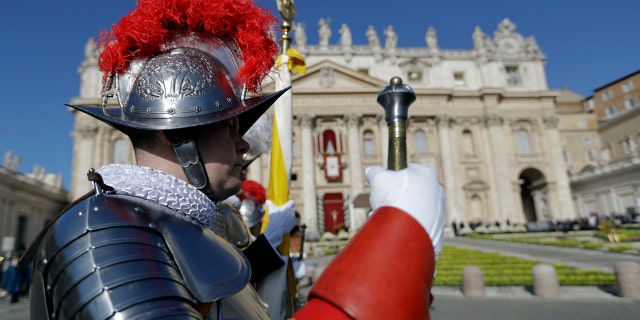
{"x":328,"y":76}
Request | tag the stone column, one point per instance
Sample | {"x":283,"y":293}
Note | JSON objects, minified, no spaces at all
{"x":310,"y":209}
{"x":4,"y":218}
{"x":355,"y":165}
{"x":500,"y":164}
{"x":255,"y":170}
{"x":448,"y":161}
{"x":564,"y":200}
{"x":90,"y":75}
{"x":82,"y":160}
{"x":384,"y":138}
{"x":356,"y":173}
{"x":485,"y":150}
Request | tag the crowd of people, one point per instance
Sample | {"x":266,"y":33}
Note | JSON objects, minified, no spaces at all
{"x":15,"y":279}
{"x":592,"y":222}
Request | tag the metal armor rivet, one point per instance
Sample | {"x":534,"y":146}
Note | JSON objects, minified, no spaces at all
{"x":96,"y":208}
{"x":80,"y":213}
{"x":152,"y":225}
{"x":171,"y":111}
{"x":229,"y":100}
{"x":217,"y":104}
{"x":197,"y":109}
{"x":138,"y":210}
{"x":148,"y":111}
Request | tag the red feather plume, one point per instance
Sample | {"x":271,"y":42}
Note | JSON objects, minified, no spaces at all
{"x":254,"y":190}
{"x":142,"y":31}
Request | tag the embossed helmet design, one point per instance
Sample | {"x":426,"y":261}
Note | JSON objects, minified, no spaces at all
{"x":182,"y":87}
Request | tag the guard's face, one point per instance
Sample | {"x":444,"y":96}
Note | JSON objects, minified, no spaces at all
{"x":222,"y":148}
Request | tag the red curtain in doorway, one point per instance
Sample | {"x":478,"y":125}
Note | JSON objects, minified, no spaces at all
{"x":333,"y":212}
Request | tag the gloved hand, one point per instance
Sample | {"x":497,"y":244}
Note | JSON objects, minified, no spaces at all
{"x":415,"y":190}
{"x":281,"y":220}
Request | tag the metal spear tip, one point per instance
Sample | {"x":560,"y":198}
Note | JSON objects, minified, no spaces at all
{"x":395,"y":99}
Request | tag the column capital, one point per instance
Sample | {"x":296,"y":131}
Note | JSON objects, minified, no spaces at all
{"x":493,"y":120}
{"x":352,"y":119}
{"x":551,"y":121}
{"x":444,"y":121}
{"x":85,"y":132}
{"x":306,"y":120}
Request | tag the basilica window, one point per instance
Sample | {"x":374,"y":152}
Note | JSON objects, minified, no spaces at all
{"x":458,"y":79}
{"x":610,"y":111}
{"x":120,"y":154}
{"x":605,"y":153}
{"x":469,"y":147}
{"x":523,"y":142}
{"x":420,"y":142}
{"x":293,"y":146}
{"x":367,"y":143}
{"x":630,"y":103}
{"x":329,"y":142}
{"x":626,"y":144}
{"x":513,"y":75}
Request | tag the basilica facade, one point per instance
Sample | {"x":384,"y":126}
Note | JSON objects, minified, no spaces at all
{"x":484,"y":118}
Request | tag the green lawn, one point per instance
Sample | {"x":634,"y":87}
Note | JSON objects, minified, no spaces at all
{"x":500,"y":270}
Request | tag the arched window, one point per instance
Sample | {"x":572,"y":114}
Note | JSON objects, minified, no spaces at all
{"x":605,"y":153}
{"x":367,"y":143}
{"x":329,"y":142}
{"x":522,"y":138}
{"x":468,"y":146}
{"x":120,"y":154}
{"x":420,"y":142}
{"x":293,"y":145}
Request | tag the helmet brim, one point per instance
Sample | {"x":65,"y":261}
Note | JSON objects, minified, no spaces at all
{"x":248,"y":112}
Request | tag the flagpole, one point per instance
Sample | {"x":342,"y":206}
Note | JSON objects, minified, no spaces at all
{"x":278,"y":289}
{"x":284,"y":105}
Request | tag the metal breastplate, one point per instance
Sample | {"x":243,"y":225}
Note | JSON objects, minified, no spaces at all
{"x":118,"y":255}
{"x":231,"y":227}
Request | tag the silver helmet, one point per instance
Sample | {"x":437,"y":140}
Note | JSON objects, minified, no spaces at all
{"x":251,"y":212}
{"x":186,"y":85}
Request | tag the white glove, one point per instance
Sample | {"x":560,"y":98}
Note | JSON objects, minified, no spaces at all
{"x":281,"y":220}
{"x":416,"y":191}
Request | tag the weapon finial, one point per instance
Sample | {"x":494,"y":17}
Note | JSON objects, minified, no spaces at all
{"x":395,"y":99}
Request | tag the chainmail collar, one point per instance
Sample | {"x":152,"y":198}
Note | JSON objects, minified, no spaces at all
{"x":186,"y":200}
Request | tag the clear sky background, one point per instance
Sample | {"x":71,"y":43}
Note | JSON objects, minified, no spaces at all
{"x":587,"y":43}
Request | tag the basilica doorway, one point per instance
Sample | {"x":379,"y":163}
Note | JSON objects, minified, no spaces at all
{"x":333,"y":212}
{"x":533,"y":193}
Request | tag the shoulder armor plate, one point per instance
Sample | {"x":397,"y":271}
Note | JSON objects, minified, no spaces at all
{"x":111,"y":253}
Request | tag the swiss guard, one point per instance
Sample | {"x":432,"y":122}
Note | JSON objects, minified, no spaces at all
{"x":148,"y":242}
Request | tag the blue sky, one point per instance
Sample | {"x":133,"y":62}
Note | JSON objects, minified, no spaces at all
{"x":587,"y":43}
